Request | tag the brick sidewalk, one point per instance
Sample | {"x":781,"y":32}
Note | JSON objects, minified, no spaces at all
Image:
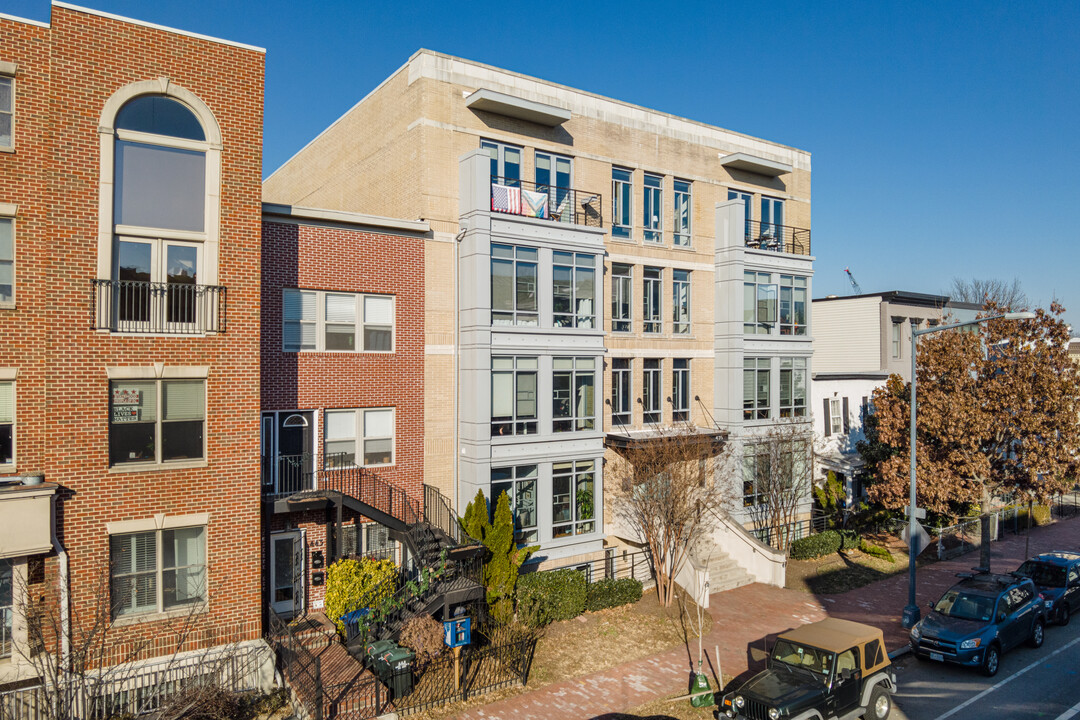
{"x":751,"y":617}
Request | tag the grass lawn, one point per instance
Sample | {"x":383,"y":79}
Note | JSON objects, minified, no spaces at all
{"x":849,"y":569}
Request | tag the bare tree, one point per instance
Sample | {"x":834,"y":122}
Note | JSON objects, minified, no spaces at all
{"x":1003,"y":294}
{"x":665,"y":488}
{"x":777,"y":480}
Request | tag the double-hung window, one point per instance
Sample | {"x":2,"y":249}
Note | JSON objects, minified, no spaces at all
{"x":621,"y":392}
{"x":157,"y":421}
{"x":756,"y":383}
{"x":573,"y":399}
{"x":897,"y":335}
{"x":680,"y":390}
{"x":836,"y":415}
{"x":574,"y":290}
{"x":652,"y":299}
{"x":7,"y":260}
{"x":7,"y":111}
{"x":573,"y":498}
{"x":519,"y":483}
{"x":513,"y":396}
{"x":514,"y":285}
{"x":622,"y":203}
{"x":792,"y":305}
{"x":792,"y":387}
{"x":650,"y":392}
{"x":157,"y":571}
{"x":7,"y":425}
{"x":622,"y":292}
{"x":759,"y":303}
{"x":505,"y":162}
{"x":319,"y":320}
{"x":680,"y":302}
{"x":554,"y":176}
{"x":683,"y":208}
{"x":653,"y":208}
{"x":371,"y":430}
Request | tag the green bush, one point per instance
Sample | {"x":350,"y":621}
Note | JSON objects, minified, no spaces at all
{"x":354,"y":584}
{"x":609,"y":592}
{"x":849,"y":540}
{"x":815,"y":546}
{"x":874,"y":550}
{"x":545,"y":597}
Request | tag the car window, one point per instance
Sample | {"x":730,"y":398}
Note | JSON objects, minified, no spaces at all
{"x":1074,"y":574}
{"x":846,"y":661}
{"x":872,"y":654}
{"x":965,"y":606}
{"x":806,"y":658}
{"x":1017,"y":596}
{"x":1042,"y":573}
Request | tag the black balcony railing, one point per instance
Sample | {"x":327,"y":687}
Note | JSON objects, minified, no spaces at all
{"x":547,"y":202}
{"x":130,"y":306}
{"x":778,"y":238}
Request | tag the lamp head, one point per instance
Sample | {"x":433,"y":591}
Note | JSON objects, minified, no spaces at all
{"x":1019,"y":316}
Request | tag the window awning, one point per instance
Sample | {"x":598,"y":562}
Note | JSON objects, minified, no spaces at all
{"x":515,"y":107}
{"x":634,"y":439}
{"x":754,"y":164}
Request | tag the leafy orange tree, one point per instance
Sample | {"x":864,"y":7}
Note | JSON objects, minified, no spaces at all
{"x":999,"y":413}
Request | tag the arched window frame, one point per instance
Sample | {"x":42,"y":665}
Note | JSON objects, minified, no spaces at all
{"x":108,"y":231}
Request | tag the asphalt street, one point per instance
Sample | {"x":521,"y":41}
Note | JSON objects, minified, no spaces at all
{"x":1043,"y":683}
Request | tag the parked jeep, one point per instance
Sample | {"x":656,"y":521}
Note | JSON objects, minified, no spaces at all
{"x":1057,"y":578}
{"x":828,"y":669}
{"x":978,"y":619}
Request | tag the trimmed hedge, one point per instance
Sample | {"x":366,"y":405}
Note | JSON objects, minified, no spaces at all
{"x":815,"y":546}
{"x":878,"y":552}
{"x":609,"y":593}
{"x":546,"y":597}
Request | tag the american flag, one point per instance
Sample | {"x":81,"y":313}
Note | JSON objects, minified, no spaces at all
{"x":506,"y":199}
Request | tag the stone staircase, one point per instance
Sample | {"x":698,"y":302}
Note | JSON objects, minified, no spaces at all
{"x":724,"y":572}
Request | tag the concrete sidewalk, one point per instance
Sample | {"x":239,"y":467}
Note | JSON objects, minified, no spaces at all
{"x":751,"y":617}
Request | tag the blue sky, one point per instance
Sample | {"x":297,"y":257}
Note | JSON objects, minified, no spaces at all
{"x":945,"y":136}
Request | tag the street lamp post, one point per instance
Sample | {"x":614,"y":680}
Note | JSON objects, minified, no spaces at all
{"x":911,"y":612}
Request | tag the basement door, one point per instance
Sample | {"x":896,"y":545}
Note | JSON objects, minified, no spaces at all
{"x":287,"y":573}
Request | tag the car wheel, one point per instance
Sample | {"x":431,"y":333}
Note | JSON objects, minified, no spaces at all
{"x":1037,"y":634}
{"x":1063,"y":614}
{"x":991,"y":661}
{"x":880,"y":704}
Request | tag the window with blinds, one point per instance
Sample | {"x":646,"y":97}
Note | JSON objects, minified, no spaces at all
{"x":157,"y":571}
{"x":7,"y":260}
{"x":7,"y":423}
{"x":320,"y":321}
{"x":370,"y":429}
{"x":156,"y":421}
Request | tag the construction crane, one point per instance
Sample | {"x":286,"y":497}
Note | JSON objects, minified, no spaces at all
{"x":854,"y":283}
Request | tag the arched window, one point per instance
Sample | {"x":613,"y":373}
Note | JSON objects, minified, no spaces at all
{"x":158,"y":232}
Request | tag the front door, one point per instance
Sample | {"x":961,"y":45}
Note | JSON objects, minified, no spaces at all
{"x":287,"y":573}
{"x":288,"y":451}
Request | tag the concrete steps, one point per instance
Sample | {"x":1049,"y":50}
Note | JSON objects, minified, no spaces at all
{"x":724,"y":572}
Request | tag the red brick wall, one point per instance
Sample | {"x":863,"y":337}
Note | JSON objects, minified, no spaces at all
{"x":66,"y":73}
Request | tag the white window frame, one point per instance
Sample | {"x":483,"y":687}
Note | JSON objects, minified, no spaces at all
{"x":680,"y":386}
{"x":9,"y":78}
{"x":500,"y":161}
{"x":793,"y":284}
{"x":752,"y":408}
{"x":652,"y":300}
{"x":10,"y":221}
{"x":680,"y":322}
{"x":580,"y":368}
{"x":320,"y":322}
{"x":622,"y":293}
{"x":10,"y":466}
{"x":520,"y":256}
{"x":622,"y":202}
{"x":158,"y":462}
{"x":652,"y":390}
{"x":897,"y":339}
{"x":578,"y":264}
{"x":836,"y":416}
{"x":159,"y":571}
{"x":622,"y":387}
{"x":792,"y":369}
{"x":576,"y":524}
{"x":518,"y":424}
{"x":360,"y":438}
{"x":517,"y":476}
{"x":757,"y":287}
{"x":653,"y":199}
{"x":683,"y":208}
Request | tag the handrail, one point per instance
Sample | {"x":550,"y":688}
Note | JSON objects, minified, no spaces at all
{"x":134,"y":306}
{"x":561,"y":204}
{"x":439,"y":513}
{"x":776,"y":237}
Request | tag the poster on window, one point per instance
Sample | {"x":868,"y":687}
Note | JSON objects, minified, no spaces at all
{"x":125,"y":414}
{"x":125,"y":396}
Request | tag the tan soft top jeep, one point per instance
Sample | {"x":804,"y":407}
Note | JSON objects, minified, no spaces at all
{"x":824,"y":670}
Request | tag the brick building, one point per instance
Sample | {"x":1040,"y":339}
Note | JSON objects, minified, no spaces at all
{"x":342,"y":390}
{"x":130,"y":162}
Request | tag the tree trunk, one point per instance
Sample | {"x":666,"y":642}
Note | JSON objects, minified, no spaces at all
{"x":984,"y":527}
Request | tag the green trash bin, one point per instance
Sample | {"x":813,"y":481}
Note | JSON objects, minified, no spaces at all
{"x":399,"y":668}
{"x":374,"y":650}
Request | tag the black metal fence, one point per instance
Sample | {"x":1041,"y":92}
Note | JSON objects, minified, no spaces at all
{"x":778,"y":238}
{"x":775,"y":535}
{"x":515,"y":196}
{"x":155,"y":307}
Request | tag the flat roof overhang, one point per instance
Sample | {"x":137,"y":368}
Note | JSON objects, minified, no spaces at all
{"x":515,"y":107}
{"x":637,"y":439}
{"x":754,"y":164}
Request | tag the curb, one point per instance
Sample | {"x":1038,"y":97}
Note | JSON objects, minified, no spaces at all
{"x":900,"y":652}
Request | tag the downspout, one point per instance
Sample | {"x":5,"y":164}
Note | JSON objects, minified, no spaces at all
{"x":62,"y":581}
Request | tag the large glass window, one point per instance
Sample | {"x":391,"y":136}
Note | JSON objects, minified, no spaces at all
{"x":747,"y":200}
{"x":792,"y":305}
{"x":370,"y":429}
{"x":621,"y":392}
{"x":513,"y":396}
{"x":683,"y":207}
{"x":650,"y":392}
{"x":554,"y":177}
{"x":157,"y":421}
{"x":519,"y":483}
{"x":755,"y":464}
{"x":756,"y":389}
{"x":792,"y":387}
{"x":759,"y":303}
{"x":7,"y":423}
{"x":573,"y":403}
{"x":317,"y":320}
{"x":157,"y":571}
{"x":7,"y":260}
{"x":680,"y":390}
{"x":574,"y":290}
{"x":513,"y":285}
{"x":505,"y":162}
{"x":622,"y":292}
{"x":622,"y":203}
{"x":7,"y":111}
{"x":653,"y":208}
{"x":772,"y":217}
{"x":652,"y":297}
{"x":680,"y":302}
{"x":573,"y":499}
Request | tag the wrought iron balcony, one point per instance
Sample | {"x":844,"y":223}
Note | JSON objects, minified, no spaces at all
{"x":546,"y":202}
{"x":129,"y":306}
{"x":777,"y":238}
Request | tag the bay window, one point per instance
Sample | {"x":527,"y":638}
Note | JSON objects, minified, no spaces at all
{"x":156,"y":421}
{"x":513,"y":395}
{"x":573,"y":384}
